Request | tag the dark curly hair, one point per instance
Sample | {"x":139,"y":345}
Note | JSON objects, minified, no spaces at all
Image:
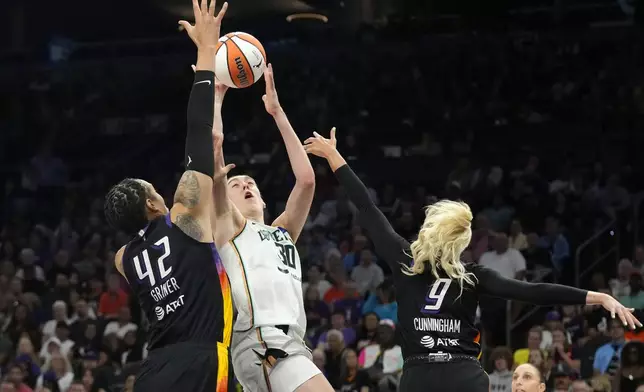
{"x":125,"y":206}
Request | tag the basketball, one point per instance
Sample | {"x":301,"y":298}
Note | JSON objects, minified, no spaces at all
{"x":240,"y":60}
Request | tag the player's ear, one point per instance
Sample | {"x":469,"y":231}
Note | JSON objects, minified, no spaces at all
{"x":542,"y":387}
{"x":153,"y":206}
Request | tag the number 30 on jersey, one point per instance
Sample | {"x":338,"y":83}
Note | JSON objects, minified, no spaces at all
{"x":435,"y":296}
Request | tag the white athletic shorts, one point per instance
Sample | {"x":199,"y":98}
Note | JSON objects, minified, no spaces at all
{"x":289,"y":365}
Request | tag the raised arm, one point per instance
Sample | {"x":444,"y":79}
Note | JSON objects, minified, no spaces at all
{"x":225,"y":218}
{"x":299,"y":201}
{"x":492,"y":283}
{"x":389,"y":245}
{"x":191,"y":207}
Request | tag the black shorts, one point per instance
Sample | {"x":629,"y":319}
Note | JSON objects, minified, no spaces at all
{"x":460,"y":376}
{"x":186,"y":367}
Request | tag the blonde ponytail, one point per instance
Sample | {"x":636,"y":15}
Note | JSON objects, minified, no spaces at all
{"x":442,"y":239}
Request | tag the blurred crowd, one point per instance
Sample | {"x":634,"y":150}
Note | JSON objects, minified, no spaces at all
{"x":536,"y":131}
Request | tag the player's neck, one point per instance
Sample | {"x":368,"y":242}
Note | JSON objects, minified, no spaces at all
{"x":257,"y":217}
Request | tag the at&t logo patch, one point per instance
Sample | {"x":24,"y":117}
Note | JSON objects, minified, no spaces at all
{"x":427,"y":341}
{"x":160,"y":313}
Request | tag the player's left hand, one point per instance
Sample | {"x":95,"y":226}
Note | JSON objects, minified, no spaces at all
{"x":321,"y":146}
{"x":271,"y":101}
{"x":221,"y":169}
{"x":617,"y":309}
{"x":205,"y":32}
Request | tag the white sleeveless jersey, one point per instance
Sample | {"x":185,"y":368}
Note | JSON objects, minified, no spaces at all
{"x":265,"y":275}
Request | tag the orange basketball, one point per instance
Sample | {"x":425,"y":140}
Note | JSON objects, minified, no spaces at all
{"x":240,"y":60}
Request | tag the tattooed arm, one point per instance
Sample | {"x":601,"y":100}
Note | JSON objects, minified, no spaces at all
{"x":191,"y":207}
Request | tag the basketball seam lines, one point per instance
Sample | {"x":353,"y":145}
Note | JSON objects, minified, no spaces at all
{"x":262,"y":50}
{"x":228,"y":63}
{"x":245,"y":58}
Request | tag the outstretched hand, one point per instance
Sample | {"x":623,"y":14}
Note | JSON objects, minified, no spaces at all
{"x":617,"y":309}
{"x":221,"y":169}
{"x":271,"y":100}
{"x":321,"y":146}
{"x":205,"y":32}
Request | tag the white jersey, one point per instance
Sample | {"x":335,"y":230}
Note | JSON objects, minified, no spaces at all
{"x":265,"y":275}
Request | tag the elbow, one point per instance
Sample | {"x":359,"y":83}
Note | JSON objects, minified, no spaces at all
{"x":306,"y":181}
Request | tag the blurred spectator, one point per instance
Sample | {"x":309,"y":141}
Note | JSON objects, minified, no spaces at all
{"x":480,"y":236}
{"x":319,"y":246}
{"x":508,"y":262}
{"x":635,"y":298}
{"x":517,"y":239}
{"x":56,"y":373}
{"x":319,"y":359}
{"x":501,"y":376}
{"x":317,"y":311}
{"x":580,"y":386}
{"x":561,"y":381}
{"x":335,"y":348}
{"x":341,"y":288}
{"x":21,"y":322}
{"x":352,"y":258}
{"x":383,"y":360}
{"x":367,"y":275}
{"x":59,"y":311}
{"x":114,"y":299}
{"x":499,"y":214}
{"x":383,"y":302}
{"x":316,"y":279}
{"x":563,"y":357}
{"x":31,"y":274}
{"x":631,"y":371}
{"x":339,"y":323}
{"x":638,"y":257}
{"x":607,"y":357}
{"x":352,"y":378}
{"x":15,"y":378}
{"x":368,"y":329}
{"x":522,"y":355}
{"x":620,"y":285}
{"x":534,"y":254}
{"x":122,"y":325}
{"x":552,"y":322}
{"x":556,"y":244}
{"x":351,"y":304}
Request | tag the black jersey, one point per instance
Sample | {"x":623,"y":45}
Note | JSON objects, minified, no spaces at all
{"x":181,"y":286}
{"x":433,"y":315}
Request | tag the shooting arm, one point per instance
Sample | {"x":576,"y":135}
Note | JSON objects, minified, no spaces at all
{"x":225,"y":218}
{"x":299,"y":201}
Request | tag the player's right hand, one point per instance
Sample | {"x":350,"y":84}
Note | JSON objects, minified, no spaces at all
{"x":205,"y":32}
{"x":221,"y":169}
{"x":321,"y":146}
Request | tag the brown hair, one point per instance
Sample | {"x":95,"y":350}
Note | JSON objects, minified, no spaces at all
{"x":502,"y":352}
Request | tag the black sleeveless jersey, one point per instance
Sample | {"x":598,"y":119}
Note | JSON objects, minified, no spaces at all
{"x":181,"y":286}
{"x":433,"y":315}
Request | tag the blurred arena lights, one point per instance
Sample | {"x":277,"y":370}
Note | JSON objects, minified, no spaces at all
{"x":307,"y":16}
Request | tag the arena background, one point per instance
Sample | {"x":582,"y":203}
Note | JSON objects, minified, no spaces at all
{"x":530,"y":110}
